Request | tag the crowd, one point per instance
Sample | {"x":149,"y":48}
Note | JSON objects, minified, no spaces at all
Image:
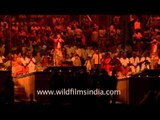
{"x":30,"y":43}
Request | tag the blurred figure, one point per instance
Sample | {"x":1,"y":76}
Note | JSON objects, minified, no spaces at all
{"x":97,"y":59}
{"x":2,"y":58}
{"x":88,"y":64}
{"x":145,"y":60}
{"x":17,"y":68}
{"x":45,"y":62}
{"x":57,"y":57}
{"x":76,"y":60}
{"x":8,"y":62}
{"x":58,"y":42}
{"x":39,"y":60}
{"x":78,"y":35}
{"x":25,"y":62}
{"x":154,"y":46}
{"x":154,"y":53}
{"x":154,"y":61}
{"x":31,"y":64}
{"x":107,"y":64}
{"x":124,"y":67}
{"x":134,"y":61}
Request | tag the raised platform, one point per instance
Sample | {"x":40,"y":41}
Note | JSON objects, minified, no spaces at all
{"x":133,"y":89}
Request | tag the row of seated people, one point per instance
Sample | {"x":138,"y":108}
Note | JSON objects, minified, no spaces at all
{"x":130,"y":66}
{"x":124,"y":66}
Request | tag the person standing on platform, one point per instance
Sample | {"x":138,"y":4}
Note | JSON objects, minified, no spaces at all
{"x":31,"y":64}
{"x":39,"y":60}
{"x":97,"y":59}
{"x":57,"y":57}
{"x":58,"y":42}
{"x":154,"y":61}
{"x":154,"y":46}
{"x":154,"y":54}
{"x":88,"y":64}
{"x":25,"y":61}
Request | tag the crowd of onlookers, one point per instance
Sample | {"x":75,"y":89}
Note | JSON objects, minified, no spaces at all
{"x":30,"y":43}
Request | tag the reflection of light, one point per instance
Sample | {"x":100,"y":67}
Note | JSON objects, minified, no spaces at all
{"x":159,"y":76}
{"x":146,"y":75}
{"x":89,"y":18}
{"x":139,"y":76}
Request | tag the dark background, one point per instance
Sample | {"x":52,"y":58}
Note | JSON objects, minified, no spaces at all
{"x":79,"y":7}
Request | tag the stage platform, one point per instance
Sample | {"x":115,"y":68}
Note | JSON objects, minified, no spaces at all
{"x":133,"y":89}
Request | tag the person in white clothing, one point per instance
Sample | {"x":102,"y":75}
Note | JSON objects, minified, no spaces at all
{"x":25,"y":61}
{"x":145,"y":62}
{"x":31,"y":64}
{"x":97,"y":59}
{"x":88,"y":64}
{"x":134,"y":64}
{"x":154,"y":61}
{"x":76,"y":60}
{"x":124,"y":64}
{"x":124,"y":60}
